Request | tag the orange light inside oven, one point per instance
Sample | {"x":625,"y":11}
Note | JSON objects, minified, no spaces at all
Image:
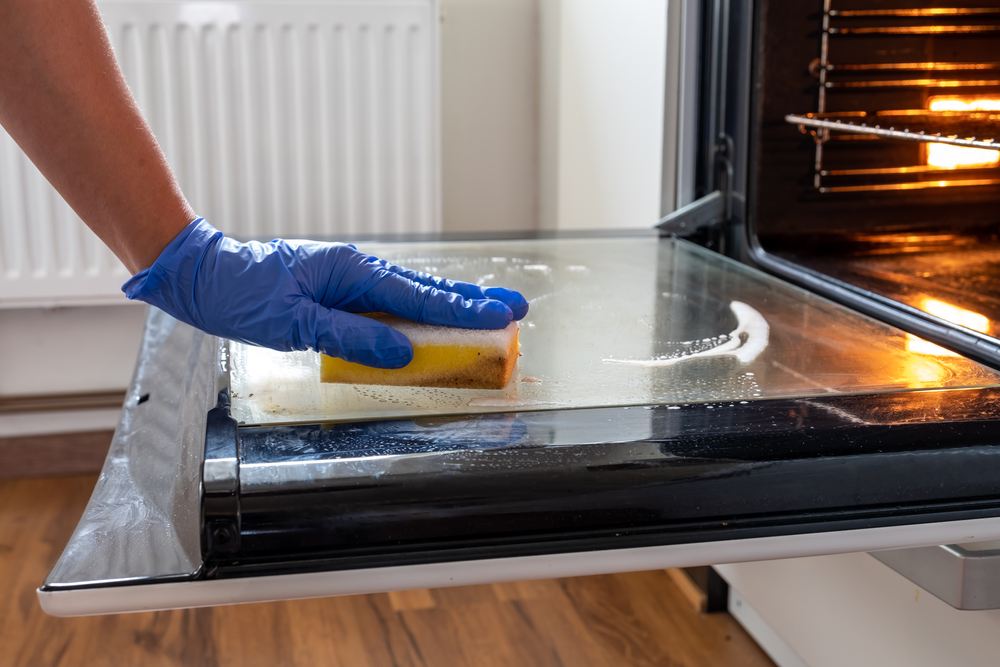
{"x":945,"y":156}
{"x":950,"y":313}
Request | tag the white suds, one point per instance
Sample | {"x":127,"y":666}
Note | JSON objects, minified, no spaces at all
{"x":431,"y":334}
{"x":745,"y":342}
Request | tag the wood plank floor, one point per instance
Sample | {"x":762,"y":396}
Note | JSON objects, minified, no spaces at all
{"x":615,"y":620}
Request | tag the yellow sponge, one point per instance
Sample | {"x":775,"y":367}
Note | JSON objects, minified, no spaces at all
{"x":442,"y":357}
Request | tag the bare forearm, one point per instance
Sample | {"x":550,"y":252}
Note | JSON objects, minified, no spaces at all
{"x":64,"y":101}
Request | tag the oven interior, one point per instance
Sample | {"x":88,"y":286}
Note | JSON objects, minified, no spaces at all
{"x":869,"y":169}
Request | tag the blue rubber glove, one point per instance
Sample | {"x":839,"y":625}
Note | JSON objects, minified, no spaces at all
{"x":299,"y":295}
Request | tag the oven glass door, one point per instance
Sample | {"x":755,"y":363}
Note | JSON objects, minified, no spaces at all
{"x":671,"y":407}
{"x":619,"y":322}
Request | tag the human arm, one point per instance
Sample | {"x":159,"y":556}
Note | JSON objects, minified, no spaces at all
{"x":65,"y":102}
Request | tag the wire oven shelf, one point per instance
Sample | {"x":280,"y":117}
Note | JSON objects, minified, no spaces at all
{"x":855,"y":62}
{"x":925,"y":127}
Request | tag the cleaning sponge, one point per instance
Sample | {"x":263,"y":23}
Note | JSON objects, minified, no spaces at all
{"x":442,"y":357}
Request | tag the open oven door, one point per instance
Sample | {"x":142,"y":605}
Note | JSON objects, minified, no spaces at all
{"x":672,"y":407}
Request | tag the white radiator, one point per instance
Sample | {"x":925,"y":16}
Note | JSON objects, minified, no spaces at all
{"x":279,"y":119}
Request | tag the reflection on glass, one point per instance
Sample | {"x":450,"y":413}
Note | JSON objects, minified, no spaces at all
{"x":956,"y":315}
{"x":951,"y":313}
{"x":945,"y":156}
{"x":620,"y":322}
{"x":918,"y":345}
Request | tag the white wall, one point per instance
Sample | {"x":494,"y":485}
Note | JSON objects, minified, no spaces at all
{"x":553,"y":113}
{"x":603,"y":74}
{"x":489,"y":114}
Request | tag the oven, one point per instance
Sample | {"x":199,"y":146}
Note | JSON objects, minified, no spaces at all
{"x":801,"y":361}
{"x":887,"y":198}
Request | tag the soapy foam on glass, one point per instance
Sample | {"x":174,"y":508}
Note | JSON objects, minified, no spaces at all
{"x":442,"y":357}
{"x":750,"y":323}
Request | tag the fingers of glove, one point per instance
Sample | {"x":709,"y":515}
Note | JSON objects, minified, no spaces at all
{"x":396,"y":295}
{"x":330,"y":274}
{"x":353,"y":337}
{"x":517,"y":303}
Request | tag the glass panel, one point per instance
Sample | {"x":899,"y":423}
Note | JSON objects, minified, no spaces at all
{"x":622,"y":322}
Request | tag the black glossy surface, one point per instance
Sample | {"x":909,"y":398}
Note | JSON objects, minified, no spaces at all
{"x":624,"y":477}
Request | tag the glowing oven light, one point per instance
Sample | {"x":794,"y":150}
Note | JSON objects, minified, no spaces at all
{"x":953,"y":314}
{"x":945,"y":156}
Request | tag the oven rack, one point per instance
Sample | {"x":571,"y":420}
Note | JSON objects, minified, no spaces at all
{"x":950,"y":127}
{"x":947,"y":74}
{"x":954,"y":128}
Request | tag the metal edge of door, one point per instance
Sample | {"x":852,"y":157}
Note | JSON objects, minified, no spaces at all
{"x":163,"y":596}
{"x":143,"y":520}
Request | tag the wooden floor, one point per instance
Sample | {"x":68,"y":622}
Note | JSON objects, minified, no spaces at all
{"x":617,"y":620}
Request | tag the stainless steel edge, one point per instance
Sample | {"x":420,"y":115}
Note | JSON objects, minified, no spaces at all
{"x":964,"y":578}
{"x":491,"y":570}
{"x":143,"y":520}
{"x":221,"y":475}
{"x":688,"y":219}
{"x":687,"y":105}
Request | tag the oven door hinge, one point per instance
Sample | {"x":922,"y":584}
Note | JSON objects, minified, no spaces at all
{"x":713,"y":208}
{"x":700,"y":213}
{"x":220,"y":502}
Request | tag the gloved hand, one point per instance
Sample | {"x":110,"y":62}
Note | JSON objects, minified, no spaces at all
{"x":298,"y":295}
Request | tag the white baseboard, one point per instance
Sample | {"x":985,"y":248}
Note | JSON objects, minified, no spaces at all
{"x":24,"y":424}
{"x":69,"y":350}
